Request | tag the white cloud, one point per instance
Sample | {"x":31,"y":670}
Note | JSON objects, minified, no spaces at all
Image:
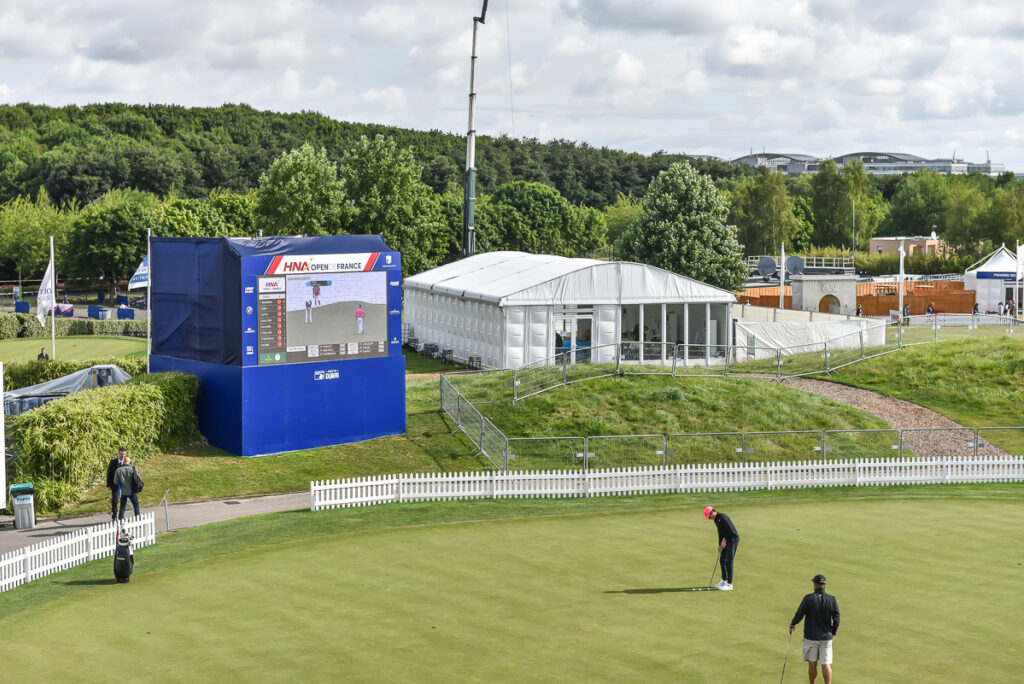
{"x":391,"y":98}
{"x":387,"y":22}
{"x":628,"y":69}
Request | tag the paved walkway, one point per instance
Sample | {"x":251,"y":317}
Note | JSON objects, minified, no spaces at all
{"x":180,"y":515}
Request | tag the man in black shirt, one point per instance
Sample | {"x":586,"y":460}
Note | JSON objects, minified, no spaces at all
{"x":43,"y":356}
{"x":728,"y":539}
{"x":112,"y":467}
{"x":822,"y":613}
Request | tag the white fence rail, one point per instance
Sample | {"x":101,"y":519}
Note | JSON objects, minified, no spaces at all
{"x":369,"y":491}
{"x":68,"y":550}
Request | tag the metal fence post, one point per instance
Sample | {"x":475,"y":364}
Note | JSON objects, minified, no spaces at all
{"x":586,"y":454}
{"x":778,"y":364}
{"x":515,"y":385}
{"x":744,"y":447}
{"x":565,"y":373}
{"x":899,"y":441}
{"x":977,"y":438}
{"x":458,"y":410}
{"x":861,"y":344}
{"x":824,"y":446}
{"x":827,"y":369}
{"x":728,"y":357}
{"x":664,"y":450}
{"x":618,"y":357}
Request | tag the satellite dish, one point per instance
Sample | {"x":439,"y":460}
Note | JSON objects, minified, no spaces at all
{"x":794,"y":265}
{"x":766,"y":267}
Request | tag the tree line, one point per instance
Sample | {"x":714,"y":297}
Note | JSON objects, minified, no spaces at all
{"x":99,"y":177}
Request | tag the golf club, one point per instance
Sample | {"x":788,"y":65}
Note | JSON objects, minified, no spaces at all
{"x":787,"y":658}
{"x":713,"y":568}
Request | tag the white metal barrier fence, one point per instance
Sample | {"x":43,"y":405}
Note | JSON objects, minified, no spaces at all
{"x":368,"y":491}
{"x":662,"y":358}
{"x":68,"y":550}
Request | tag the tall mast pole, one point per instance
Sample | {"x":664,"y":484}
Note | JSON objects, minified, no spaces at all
{"x":469,"y":180}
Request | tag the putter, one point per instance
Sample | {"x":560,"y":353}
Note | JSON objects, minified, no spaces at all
{"x":787,"y":658}
{"x":713,"y":568}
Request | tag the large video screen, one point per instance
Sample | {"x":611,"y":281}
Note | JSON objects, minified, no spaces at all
{"x":322,"y":317}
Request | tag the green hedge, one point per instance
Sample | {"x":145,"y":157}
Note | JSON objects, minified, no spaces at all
{"x":64,"y":446}
{"x":10,"y":326}
{"x":28,"y":326}
{"x":27,"y":373}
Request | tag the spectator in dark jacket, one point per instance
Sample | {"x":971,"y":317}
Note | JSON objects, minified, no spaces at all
{"x":112,"y":467}
{"x":124,"y":480}
{"x":820,"y":626}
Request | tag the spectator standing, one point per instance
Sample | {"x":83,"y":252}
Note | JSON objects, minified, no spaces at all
{"x":975,"y":310}
{"x":112,"y":467}
{"x":129,"y":484}
{"x":931,"y":308}
{"x":859,"y":310}
{"x":820,"y":626}
{"x":43,"y":356}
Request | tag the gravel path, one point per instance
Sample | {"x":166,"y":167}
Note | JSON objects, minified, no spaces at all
{"x":902,"y":415}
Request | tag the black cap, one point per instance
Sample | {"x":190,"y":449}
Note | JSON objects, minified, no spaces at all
{"x":819,"y":579}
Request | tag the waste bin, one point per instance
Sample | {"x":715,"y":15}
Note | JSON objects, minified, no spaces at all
{"x":23,"y":496}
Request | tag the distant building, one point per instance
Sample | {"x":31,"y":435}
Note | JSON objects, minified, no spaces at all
{"x":920,"y":244}
{"x":875,"y":163}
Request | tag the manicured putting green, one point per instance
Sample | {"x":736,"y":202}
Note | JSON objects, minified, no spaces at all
{"x":930,"y":590}
{"x":74,"y":348}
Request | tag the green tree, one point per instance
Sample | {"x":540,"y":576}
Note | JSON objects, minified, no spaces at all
{"x":762,"y":211}
{"x":683,"y":228}
{"x":108,"y":239}
{"x":300,"y":194}
{"x":619,"y":215}
{"x":586,"y":231}
{"x":918,"y":204}
{"x":804,"y":215}
{"x":25,"y":230}
{"x":827,"y":202}
{"x":961,"y":225}
{"x":1005,"y":219}
{"x":545,"y":217}
{"x":383,"y":194}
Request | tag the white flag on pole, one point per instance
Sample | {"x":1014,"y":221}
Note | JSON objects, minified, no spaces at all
{"x":141,"y":277}
{"x":44,"y":301}
{"x":1020,"y":261}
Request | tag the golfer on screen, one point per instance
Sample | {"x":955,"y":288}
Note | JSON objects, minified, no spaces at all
{"x":316,"y":295}
{"x":728,"y":540}
{"x":822,"y":622}
{"x":359,"y":317}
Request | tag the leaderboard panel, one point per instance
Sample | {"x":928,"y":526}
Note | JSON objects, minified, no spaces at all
{"x":319,"y":314}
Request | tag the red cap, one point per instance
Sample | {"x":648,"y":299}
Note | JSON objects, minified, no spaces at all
{"x":707,"y":512}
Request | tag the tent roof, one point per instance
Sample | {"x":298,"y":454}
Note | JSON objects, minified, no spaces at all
{"x":1001,"y":260}
{"x":517,"y":278}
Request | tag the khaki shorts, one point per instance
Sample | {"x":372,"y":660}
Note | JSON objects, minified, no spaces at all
{"x":818,"y":652}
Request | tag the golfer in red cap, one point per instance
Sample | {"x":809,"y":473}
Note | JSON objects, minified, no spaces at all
{"x":728,"y":540}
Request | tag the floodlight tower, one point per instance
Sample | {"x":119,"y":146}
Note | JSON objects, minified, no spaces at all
{"x":469,"y":180}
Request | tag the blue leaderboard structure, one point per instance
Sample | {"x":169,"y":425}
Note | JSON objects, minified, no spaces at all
{"x":297,"y":342}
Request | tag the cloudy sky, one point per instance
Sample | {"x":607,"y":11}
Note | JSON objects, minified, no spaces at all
{"x":695,"y":76}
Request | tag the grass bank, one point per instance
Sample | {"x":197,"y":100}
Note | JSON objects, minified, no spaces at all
{"x":973,"y":382}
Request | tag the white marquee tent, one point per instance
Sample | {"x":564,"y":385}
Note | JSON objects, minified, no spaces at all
{"x":994,"y":281}
{"x":513,"y":308}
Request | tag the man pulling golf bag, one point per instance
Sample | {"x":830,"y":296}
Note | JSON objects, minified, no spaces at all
{"x":124,"y":558}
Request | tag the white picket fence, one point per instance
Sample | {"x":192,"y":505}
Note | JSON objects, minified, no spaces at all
{"x":68,"y":550}
{"x":368,"y":491}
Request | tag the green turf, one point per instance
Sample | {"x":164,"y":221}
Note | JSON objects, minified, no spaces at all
{"x":584,"y":590}
{"x":417,"y":363}
{"x":74,"y":348}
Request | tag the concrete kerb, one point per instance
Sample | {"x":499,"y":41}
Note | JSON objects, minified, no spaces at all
{"x":182,"y":515}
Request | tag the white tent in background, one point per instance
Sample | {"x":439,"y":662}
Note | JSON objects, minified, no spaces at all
{"x":507,"y":307}
{"x":994,"y":280}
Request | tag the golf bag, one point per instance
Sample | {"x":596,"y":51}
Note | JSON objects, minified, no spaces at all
{"x":124,"y":558}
